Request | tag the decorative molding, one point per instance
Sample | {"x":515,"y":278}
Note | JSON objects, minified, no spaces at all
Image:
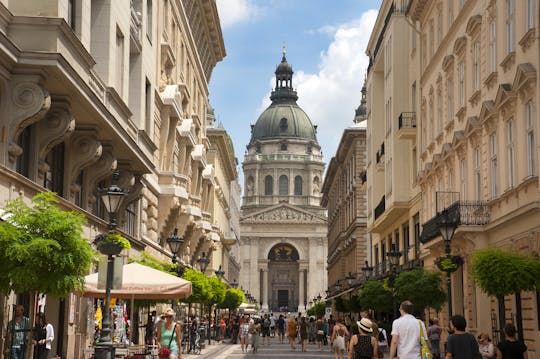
{"x":473,"y":25}
{"x":528,"y":39}
{"x":83,"y":149}
{"x":283,"y":213}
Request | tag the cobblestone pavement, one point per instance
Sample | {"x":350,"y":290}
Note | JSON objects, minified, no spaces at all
{"x":274,"y":350}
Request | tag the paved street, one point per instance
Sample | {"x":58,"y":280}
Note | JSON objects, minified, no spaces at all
{"x":274,"y":350}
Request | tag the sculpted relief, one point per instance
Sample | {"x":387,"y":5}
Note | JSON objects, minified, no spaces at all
{"x":282,"y":215}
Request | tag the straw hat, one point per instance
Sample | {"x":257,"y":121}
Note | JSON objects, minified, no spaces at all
{"x":365,"y":324}
{"x":168,"y":312}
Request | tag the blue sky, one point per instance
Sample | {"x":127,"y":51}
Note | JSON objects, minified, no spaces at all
{"x":325,"y":43}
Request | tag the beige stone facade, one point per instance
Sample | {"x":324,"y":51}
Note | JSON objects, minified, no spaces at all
{"x":344,"y":197}
{"x":468,"y":74}
{"x":89,"y":87}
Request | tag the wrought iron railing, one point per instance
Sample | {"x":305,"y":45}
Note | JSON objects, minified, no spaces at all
{"x":463,"y":213}
{"x":407,"y":120}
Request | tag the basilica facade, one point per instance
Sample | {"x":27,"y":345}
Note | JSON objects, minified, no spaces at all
{"x":283,"y":227}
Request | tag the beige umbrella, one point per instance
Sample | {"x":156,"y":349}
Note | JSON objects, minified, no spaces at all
{"x":141,"y":282}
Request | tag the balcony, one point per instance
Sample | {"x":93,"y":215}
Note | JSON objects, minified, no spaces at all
{"x":464,"y":213}
{"x":407,"y":126}
{"x":379,"y":156}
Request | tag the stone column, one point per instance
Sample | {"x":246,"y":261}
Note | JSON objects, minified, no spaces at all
{"x":301,"y":284}
{"x":265,"y":289}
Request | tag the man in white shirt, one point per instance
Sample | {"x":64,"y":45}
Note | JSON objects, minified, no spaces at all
{"x":406,"y":334}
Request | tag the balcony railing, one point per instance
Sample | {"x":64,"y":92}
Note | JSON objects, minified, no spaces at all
{"x":464,"y":213}
{"x":407,"y":120}
{"x":380,"y":208}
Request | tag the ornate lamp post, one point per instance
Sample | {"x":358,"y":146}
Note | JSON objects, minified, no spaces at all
{"x":367,"y":271}
{"x":175,"y":243}
{"x":393,"y":258}
{"x":234,"y":283}
{"x":319,"y":298}
{"x":350,"y":278}
{"x":203,"y":262}
{"x":219,"y":273}
{"x":447,"y":228}
{"x":112,"y":198}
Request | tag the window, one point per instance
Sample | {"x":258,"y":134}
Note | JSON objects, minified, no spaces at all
{"x":416,"y":222}
{"x":71,"y":14}
{"x":406,"y":243}
{"x":119,"y":61}
{"x":439,"y":112}
{"x":148,"y":106}
{"x":493,"y":46}
{"x":258,"y":148}
{"x":388,"y":116}
{"x":130,"y":217}
{"x":529,"y":116}
{"x":463,"y":178}
{"x":283,"y":146}
{"x":283,"y":185}
{"x":461,"y":86}
{"x":431,"y":39}
{"x":439,"y":26}
{"x":451,"y":180}
{"x":476,"y":66}
{"x":283,"y":125}
{"x":493,"y":164}
{"x":149,"y":19}
{"x":431,"y":120}
{"x":450,"y":98}
{"x":54,"y":177}
{"x":509,"y":26}
{"x":79,"y":181}
{"x":450,"y":13}
{"x":510,"y":150}
{"x":529,"y":13}
{"x":298,"y":185}
{"x":23,"y":160}
{"x":268,"y":186}
{"x":477,"y":174}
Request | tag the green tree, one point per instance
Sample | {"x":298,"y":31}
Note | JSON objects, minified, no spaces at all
{"x":199,"y":286}
{"x":423,"y":288}
{"x":233,"y":298}
{"x":375,"y":295}
{"x":318,"y":309}
{"x":341,"y":305}
{"x":217,"y":290}
{"x":42,"y":248}
{"x":499,"y":273}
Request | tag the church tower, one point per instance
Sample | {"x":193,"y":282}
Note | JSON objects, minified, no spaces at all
{"x":283,"y":227}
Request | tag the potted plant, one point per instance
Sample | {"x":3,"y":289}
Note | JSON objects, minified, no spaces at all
{"x":448,"y":264}
{"x":113,"y":244}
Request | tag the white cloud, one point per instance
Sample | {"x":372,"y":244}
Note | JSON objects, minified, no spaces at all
{"x":232,"y":12}
{"x":331,"y":95}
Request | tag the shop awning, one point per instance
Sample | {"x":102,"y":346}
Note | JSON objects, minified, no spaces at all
{"x":141,"y":282}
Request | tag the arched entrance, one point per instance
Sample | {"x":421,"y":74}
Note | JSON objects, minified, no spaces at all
{"x":283,"y":278}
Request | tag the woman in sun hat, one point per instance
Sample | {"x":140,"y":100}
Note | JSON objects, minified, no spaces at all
{"x":363,"y":345}
{"x":170,"y":335}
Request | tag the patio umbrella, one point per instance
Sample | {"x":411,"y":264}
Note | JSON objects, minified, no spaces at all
{"x":140,"y":282}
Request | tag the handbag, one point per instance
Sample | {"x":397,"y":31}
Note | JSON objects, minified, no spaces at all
{"x":424,"y":347}
{"x":165,"y":352}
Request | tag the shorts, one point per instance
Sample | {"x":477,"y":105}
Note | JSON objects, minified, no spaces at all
{"x":265,"y":331}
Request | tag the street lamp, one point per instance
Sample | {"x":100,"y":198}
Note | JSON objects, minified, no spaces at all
{"x":203,"y":262}
{"x":350,"y":278}
{"x":447,"y":229}
{"x":112,"y":198}
{"x":175,"y":243}
{"x":219,"y":273}
{"x":367,"y":271}
{"x":319,"y":298}
{"x":234,"y":283}
{"x":393,"y":258}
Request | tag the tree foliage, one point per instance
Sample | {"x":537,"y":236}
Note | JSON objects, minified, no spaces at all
{"x":376,"y":296}
{"x":199,"y":286}
{"x":341,"y":305}
{"x":149,"y":260}
{"x":216,"y":292}
{"x":318,"y":309}
{"x":498,"y":272}
{"x":42,"y":248}
{"x":233,"y":298}
{"x":423,"y":288}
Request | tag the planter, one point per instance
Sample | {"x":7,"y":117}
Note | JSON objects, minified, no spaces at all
{"x":449,"y":264}
{"x":110,"y":248}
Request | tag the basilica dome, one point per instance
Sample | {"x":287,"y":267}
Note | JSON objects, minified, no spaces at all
{"x":283,"y":118}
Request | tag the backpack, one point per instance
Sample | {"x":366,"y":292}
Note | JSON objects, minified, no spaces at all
{"x":380,"y":337}
{"x":266,"y":323}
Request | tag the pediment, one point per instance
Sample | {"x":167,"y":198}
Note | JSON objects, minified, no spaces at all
{"x":473,"y":25}
{"x":459,"y":44}
{"x":524,"y":73}
{"x":448,"y":61}
{"x":472,"y":125}
{"x":504,"y":93}
{"x":487,"y":110}
{"x":446,"y":150}
{"x":458,"y":139}
{"x":283,"y":213}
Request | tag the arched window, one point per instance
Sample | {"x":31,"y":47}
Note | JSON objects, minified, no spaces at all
{"x":283,"y":125}
{"x":283,"y":185}
{"x":268,"y":186}
{"x":298,"y":185}
{"x":283,"y":146}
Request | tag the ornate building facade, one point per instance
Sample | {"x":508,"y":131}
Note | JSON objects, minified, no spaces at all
{"x":283,"y":227}
{"x":111,"y":85}
{"x":344,"y":196}
{"x":466,"y":126}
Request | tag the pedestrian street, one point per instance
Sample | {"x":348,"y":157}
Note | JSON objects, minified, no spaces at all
{"x":276,"y":350}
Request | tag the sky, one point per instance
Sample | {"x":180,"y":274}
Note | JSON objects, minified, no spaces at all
{"x":325,"y":42}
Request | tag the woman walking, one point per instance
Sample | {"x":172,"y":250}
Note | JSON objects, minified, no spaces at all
{"x":291,"y":332}
{"x":45,"y":336}
{"x":337,"y":341}
{"x":363,"y":345}
{"x":244,"y":333}
{"x":170,"y":336}
{"x":304,"y":333}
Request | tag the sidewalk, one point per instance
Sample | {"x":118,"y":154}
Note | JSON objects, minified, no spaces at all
{"x":210,"y":351}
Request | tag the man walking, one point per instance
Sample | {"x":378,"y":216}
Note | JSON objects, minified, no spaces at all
{"x":406,"y":334}
{"x":17,"y":334}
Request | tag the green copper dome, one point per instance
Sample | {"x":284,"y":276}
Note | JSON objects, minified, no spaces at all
{"x":283,"y":118}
